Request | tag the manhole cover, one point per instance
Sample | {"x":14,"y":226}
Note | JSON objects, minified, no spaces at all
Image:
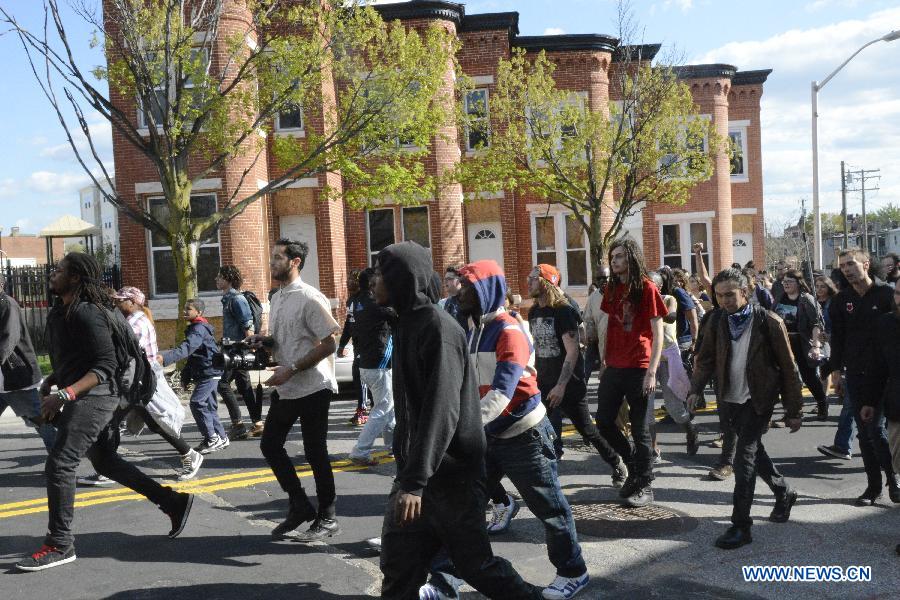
{"x":617,"y":521}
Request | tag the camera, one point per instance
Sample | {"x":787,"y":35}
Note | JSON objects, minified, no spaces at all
{"x":239,"y":355}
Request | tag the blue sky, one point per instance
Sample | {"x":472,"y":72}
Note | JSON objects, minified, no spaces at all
{"x":802,"y":40}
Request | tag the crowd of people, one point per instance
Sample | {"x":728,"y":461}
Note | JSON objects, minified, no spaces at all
{"x":466,"y":391}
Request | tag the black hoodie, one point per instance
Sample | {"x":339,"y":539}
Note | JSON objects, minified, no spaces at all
{"x":439,"y":431}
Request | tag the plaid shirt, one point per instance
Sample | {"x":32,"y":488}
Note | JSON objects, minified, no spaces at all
{"x":145,"y":332}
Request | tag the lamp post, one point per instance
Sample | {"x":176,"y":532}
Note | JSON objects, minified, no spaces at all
{"x":815,"y":87}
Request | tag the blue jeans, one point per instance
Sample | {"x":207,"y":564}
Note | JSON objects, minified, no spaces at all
{"x":26,"y":404}
{"x":843,"y":437}
{"x":873,"y":443}
{"x":381,"y":418}
{"x":205,"y":408}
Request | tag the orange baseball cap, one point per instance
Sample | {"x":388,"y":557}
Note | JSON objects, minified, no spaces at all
{"x":549,"y":273}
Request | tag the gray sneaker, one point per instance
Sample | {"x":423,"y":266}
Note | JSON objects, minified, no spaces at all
{"x":643,"y":496}
{"x":320,"y":529}
{"x":619,"y":474}
{"x":95,"y":480}
{"x":190,"y":464}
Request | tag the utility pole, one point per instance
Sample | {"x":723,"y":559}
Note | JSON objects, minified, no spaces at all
{"x":846,"y":243}
{"x":864,"y":176}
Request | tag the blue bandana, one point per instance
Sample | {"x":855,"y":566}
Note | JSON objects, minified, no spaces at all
{"x":738,"y":322}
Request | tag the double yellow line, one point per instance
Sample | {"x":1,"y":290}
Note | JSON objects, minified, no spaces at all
{"x":205,"y":484}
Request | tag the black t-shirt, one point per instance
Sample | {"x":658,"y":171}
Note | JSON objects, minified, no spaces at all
{"x":548,"y":325}
{"x":787,"y":310}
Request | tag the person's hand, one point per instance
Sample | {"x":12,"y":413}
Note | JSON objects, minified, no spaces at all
{"x":409,"y":508}
{"x":255,"y":341}
{"x":649,"y":383}
{"x":554,"y":398}
{"x":342,"y":352}
{"x":45,"y":388}
{"x":50,"y":406}
{"x":815,"y":352}
{"x":794,"y":424}
{"x":867,"y":413}
{"x":160,"y":360}
{"x":697,"y":248}
{"x":692,"y":401}
{"x":280,"y":375}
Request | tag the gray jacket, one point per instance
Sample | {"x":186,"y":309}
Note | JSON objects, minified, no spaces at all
{"x":17,"y":358}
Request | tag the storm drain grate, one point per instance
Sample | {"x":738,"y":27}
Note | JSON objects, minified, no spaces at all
{"x":617,"y":521}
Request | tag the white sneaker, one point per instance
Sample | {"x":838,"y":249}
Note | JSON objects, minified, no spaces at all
{"x":564,"y":588}
{"x":502,"y":515}
{"x":374,"y":543}
{"x":96,"y":480}
{"x":224,"y":442}
{"x":429,"y":592}
{"x":190,"y":464}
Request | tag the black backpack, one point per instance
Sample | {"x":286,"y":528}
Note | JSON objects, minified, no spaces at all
{"x":134,"y":378}
{"x":256,"y":309}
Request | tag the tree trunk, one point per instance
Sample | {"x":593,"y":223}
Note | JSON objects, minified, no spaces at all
{"x":184,"y":250}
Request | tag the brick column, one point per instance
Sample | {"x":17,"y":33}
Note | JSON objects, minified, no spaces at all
{"x":722,"y":233}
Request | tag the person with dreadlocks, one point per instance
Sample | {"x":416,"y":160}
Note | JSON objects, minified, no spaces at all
{"x":634,"y":342}
{"x":85,"y":409}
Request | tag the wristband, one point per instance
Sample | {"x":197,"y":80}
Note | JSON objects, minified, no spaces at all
{"x":62,"y":395}
{"x":71,"y":394}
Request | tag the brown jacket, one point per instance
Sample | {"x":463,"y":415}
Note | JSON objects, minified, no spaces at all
{"x":770,"y":364}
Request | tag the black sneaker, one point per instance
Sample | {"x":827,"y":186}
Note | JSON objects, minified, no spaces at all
{"x":47,"y":557}
{"x":629,"y":487}
{"x":781,"y":512}
{"x":179,"y":516}
{"x":210,"y":444}
{"x":693,"y":444}
{"x":642,"y":496}
{"x":869,"y":497}
{"x":321,"y":529}
{"x":735,"y":537}
{"x":834,"y":452}
{"x":299,"y":513}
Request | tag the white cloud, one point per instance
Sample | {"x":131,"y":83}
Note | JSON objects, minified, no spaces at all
{"x":7,"y":187}
{"x":101,"y":135}
{"x":49,"y":182}
{"x":683,"y":5}
{"x":554,"y":31}
{"x":818,"y":5}
{"x":23,"y":224}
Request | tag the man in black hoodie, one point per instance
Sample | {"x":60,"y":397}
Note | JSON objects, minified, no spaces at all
{"x":438,"y":498}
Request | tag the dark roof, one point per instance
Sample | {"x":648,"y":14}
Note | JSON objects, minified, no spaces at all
{"x":576,"y":41}
{"x":636,"y":52}
{"x":422,"y":9}
{"x":750,"y":77}
{"x":705,"y":71}
{"x":492,"y":21}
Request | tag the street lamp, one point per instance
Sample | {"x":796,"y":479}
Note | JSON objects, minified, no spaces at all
{"x":817,"y":221}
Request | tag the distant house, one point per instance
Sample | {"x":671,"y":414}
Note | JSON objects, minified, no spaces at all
{"x":97,"y":211}
{"x":26,"y":250}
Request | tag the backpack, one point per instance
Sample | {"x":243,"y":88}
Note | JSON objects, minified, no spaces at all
{"x":134,"y":378}
{"x":256,"y":309}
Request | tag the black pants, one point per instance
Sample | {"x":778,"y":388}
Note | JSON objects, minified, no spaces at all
{"x":575,"y":407}
{"x":616,"y":384}
{"x":751,"y":459}
{"x":179,"y":443}
{"x":873,"y":443}
{"x":809,"y":375}
{"x":312,"y":411}
{"x":245,"y":388}
{"x":89,"y":427}
{"x":452,"y":518}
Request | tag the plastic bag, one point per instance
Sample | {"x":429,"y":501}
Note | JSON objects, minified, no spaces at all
{"x":164,"y":406}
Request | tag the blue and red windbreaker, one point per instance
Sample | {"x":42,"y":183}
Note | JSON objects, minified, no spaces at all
{"x":503,"y":358}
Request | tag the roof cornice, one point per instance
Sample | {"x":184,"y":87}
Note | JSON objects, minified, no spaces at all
{"x":750,"y":77}
{"x":422,"y":9}
{"x":713,"y":71}
{"x":637,"y":52}
{"x":503,"y":21}
{"x":562,"y":43}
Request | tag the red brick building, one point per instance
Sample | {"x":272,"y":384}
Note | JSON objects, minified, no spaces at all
{"x":725,"y":212}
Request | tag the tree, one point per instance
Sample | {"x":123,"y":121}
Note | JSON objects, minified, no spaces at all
{"x":544,"y":140}
{"x":364,"y":86}
{"x":887,"y":217}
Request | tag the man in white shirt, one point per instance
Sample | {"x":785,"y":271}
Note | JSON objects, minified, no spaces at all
{"x":301,"y":338}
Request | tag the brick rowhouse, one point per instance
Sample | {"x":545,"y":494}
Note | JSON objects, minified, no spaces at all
{"x":725,"y":212}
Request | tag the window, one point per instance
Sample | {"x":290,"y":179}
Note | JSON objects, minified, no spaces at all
{"x":539,"y":123}
{"x":671,"y":163}
{"x":415,"y":225}
{"x":162,"y":263}
{"x":290,"y":120}
{"x":478,"y":130}
{"x":160,"y":102}
{"x":677,"y":240}
{"x":559,"y":240}
{"x":485,"y":234}
{"x":737,"y":136}
{"x":381,"y":231}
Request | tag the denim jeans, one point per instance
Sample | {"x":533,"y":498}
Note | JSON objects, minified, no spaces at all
{"x":381,"y":418}
{"x":205,"y":408}
{"x":751,"y":459}
{"x":574,"y":406}
{"x":453,"y":518}
{"x":894,"y":443}
{"x":873,"y":444}
{"x":674,"y":405}
{"x":312,"y":411}
{"x":616,"y":385}
{"x":843,"y":437}
{"x":26,"y":404}
{"x":89,"y":426}
{"x":245,"y":389}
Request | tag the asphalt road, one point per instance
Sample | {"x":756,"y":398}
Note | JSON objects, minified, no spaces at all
{"x":226,"y":550}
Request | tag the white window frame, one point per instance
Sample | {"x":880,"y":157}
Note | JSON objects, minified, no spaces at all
{"x":143,"y":127}
{"x":151,"y":248}
{"x":486,"y":118}
{"x":740,"y":127}
{"x":291,"y":131}
{"x":682,"y":129}
{"x":559,"y":215}
{"x":369,"y":250}
{"x":684,"y":223}
{"x":572,"y":98}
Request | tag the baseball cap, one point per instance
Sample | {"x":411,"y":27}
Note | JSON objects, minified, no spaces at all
{"x":549,"y":273}
{"x":131,"y":293}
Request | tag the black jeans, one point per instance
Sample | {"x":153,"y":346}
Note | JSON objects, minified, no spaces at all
{"x":873,"y":444}
{"x":575,"y":407}
{"x":729,"y":438}
{"x":89,"y":427}
{"x":616,"y":384}
{"x":453,"y":518}
{"x":312,"y":411}
{"x":751,"y":459}
{"x":809,"y":375}
{"x":179,"y":443}
{"x":245,"y":388}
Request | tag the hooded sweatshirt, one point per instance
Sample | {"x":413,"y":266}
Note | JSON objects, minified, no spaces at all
{"x":18,"y":362}
{"x":439,"y":431}
{"x":198,"y":348}
{"x":503,"y":358}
